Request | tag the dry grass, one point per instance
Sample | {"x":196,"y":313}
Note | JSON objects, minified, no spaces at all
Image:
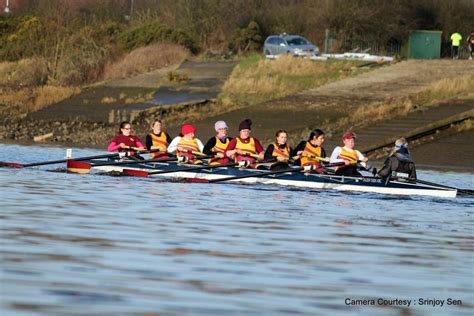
{"x":146,"y":59}
{"x":24,"y":73}
{"x":431,"y":95}
{"x":256,"y":80}
{"x":19,"y":102}
{"x":465,"y":126}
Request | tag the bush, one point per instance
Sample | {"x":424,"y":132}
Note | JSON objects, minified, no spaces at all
{"x":145,"y":59}
{"x":22,"y":37}
{"x":83,"y":59}
{"x":248,"y":38}
{"x":24,"y":73}
{"x":153,"y":32}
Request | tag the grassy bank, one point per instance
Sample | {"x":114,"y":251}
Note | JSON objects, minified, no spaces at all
{"x":16,"y":103}
{"x":256,"y":79}
{"x":395,"y":107}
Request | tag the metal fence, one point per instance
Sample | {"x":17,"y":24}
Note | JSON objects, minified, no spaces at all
{"x":364,"y":46}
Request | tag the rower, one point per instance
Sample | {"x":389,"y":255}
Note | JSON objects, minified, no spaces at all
{"x":124,"y":140}
{"x":348,"y":155}
{"x":158,"y":139}
{"x":216,"y":145}
{"x":186,"y":145}
{"x":279,"y":150}
{"x":245,"y":147}
{"x":311,"y":152}
{"x":399,"y":160}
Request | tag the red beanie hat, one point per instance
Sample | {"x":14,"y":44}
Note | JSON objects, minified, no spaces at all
{"x":186,"y":129}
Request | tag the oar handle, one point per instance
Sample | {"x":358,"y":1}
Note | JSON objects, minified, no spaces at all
{"x":198,"y":153}
{"x":142,"y":151}
{"x":262,"y":174}
{"x":250,"y":155}
{"x":323,"y":159}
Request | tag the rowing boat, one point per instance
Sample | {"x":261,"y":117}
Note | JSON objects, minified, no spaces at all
{"x":293,"y":179}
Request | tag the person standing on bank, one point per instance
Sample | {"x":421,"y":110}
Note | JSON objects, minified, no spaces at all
{"x":158,"y":139}
{"x":399,"y":160}
{"x":470,"y":41}
{"x":455,"y":42}
{"x":216,"y":145}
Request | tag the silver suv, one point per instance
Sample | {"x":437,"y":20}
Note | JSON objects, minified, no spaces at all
{"x":289,"y":44}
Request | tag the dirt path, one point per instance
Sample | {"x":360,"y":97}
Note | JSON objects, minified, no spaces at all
{"x":122,"y":99}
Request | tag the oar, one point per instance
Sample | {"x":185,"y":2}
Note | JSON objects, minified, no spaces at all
{"x":306,"y":168}
{"x":84,"y":167}
{"x":141,"y":173}
{"x":52,"y":162}
{"x":462,"y":191}
{"x":323,"y":159}
{"x":248,"y":175}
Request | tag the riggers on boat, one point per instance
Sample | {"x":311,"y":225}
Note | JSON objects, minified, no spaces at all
{"x":293,"y":177}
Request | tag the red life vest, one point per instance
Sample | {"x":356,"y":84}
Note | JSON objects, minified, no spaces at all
{"x":131,"y":141}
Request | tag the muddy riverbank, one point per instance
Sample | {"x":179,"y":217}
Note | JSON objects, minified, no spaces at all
{"x":321,"y":107}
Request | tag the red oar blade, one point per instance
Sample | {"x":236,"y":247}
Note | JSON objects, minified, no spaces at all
{"x":197,"y":180}
{"x":11,"y":164}
{"x":78,"y":166}
{"x":135,"y":173}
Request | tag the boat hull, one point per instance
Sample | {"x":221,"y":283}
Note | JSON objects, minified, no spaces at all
{"x":293,"y":179}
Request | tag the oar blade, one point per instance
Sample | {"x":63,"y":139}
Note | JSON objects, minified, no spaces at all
{"x":198,"y":180}
{"x":135,"y":173}
{"x":11,"y":164}
{"x":74,"y":166}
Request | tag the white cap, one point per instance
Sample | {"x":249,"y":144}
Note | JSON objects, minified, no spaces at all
{"x":219,"y":125}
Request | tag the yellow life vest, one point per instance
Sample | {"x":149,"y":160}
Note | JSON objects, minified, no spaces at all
{"x":161,"y":142}
{"x":278,"y":152}
{"x":311,"y":150}
{"x":347,"y":155}
{"x":247,"y":148}
{"x":184,"y":146}
{"x":220,"y":147}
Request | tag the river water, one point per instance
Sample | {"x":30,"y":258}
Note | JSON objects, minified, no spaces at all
{"x":102,"y":245}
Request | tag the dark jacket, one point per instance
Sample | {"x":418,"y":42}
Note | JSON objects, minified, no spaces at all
{"x":400,"y":161}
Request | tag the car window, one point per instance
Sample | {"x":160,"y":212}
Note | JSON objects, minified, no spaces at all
{"x":280,"y":40}
{"x":294,"y":41}
{"x":270,"y":41}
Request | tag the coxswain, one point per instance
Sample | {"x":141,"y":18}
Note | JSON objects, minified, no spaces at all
{"x":311,"y":153}
{"x":124,"y":141}
{"x":399,"y":160}
{"x":245,"y":147}
{"x":279,"y":150}
{"x":216,"y":145}
{"x":158,"y":139}
{"x":187,"y":145}
{"x":348,"y":155}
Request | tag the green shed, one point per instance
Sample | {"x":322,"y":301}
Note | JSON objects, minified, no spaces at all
{"x":424,"y":44}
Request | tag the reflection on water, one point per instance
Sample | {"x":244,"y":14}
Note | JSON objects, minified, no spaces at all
{"x":98,"y":245}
